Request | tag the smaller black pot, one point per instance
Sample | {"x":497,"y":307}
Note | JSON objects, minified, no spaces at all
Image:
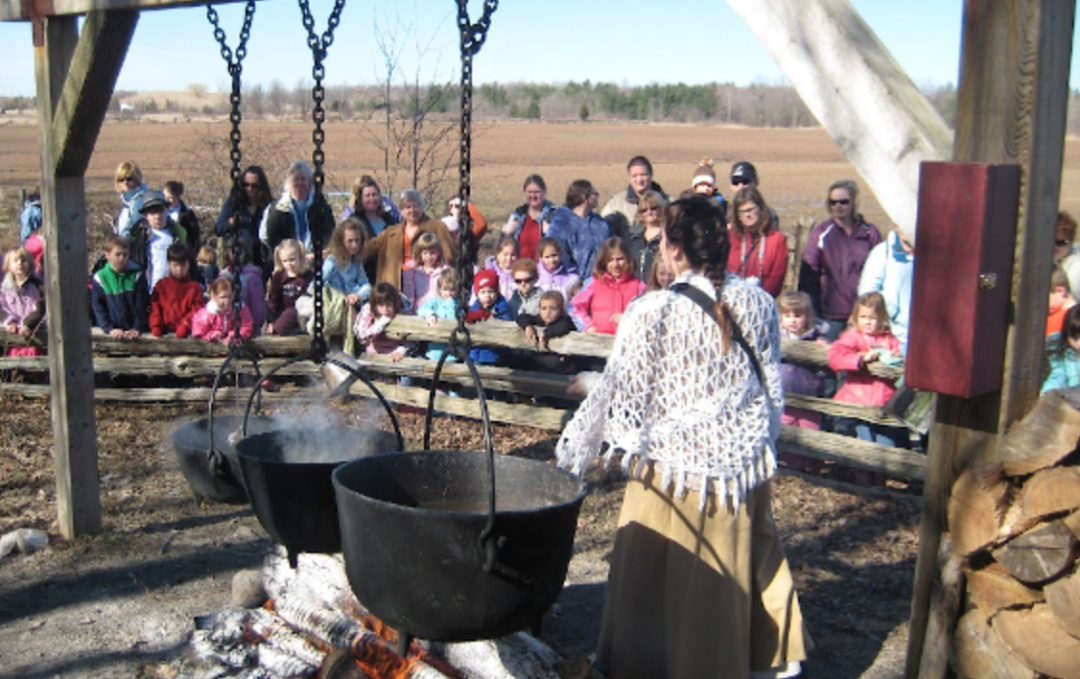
{"x":287,"y":475}
{"x":191,"y":442}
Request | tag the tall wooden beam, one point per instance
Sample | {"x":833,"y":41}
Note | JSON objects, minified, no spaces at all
{"x":75,"y":78}
{"x":80,"y":110}
{"x":24,"y":10}
{"x":1014,"y":85}
{"x":847,"y":78}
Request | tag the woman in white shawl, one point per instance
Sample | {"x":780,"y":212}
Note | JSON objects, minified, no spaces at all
{"x":699,"y":583}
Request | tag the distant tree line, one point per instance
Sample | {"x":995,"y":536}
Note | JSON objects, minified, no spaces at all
{"x":752,"y":105}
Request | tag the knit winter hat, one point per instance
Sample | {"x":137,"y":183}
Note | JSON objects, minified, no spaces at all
{"x":704,"y":173}
{"x":485,"y":278}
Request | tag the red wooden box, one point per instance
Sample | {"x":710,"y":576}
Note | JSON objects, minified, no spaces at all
{"x":964,"y":250}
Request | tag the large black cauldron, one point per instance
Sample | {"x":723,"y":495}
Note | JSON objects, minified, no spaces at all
{"x":215,"y":475}
{"x":417,"y":552}
{"x":287,"y":474}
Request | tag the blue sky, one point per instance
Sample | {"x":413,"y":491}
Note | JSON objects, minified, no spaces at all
{"x":631,"y":42}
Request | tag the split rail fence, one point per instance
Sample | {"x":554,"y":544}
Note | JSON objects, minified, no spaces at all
{"x":191,"y":358}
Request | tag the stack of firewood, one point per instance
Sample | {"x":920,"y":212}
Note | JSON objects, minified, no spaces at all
{"x":1014,"y":524}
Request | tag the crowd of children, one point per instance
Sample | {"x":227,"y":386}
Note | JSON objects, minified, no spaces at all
{"x":163,"y":279}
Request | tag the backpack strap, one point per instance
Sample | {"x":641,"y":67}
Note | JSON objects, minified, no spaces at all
{"x":709,"y":307}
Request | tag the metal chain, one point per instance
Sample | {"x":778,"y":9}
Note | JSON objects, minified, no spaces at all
{"x":319,"y":212}
{"x":472,"y":39}
{"x":235,"y":68}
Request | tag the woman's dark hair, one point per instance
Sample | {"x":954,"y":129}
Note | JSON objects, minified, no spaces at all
{"x":263,"y":195}
{"x":694,"y":226}
{"x":386,"y":293}
{"x":534,"y":179}
{"x":358,"y":190}
{"x":749,"y":194}
{"x":578,"y":193}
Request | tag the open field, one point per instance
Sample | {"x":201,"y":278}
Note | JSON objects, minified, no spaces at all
{"x":795,"y":165}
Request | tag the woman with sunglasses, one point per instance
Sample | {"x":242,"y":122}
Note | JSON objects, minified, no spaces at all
{"x":758,"y":249}
{"x":646,"y":230}
{"x":254,"y":193}
{"x":130,"y":186}
{"x":835,"y":252}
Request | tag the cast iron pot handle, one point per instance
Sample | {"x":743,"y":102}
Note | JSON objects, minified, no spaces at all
{"x":315,"y":358}
{"x":215,"y":459}
{"x":489,"y":542}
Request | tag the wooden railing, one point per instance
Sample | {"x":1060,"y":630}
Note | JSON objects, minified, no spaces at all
{"x":190,"y":358}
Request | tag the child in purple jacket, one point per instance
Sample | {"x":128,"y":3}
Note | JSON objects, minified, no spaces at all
{"x":797,"y":322}
{"x":552,"y":273}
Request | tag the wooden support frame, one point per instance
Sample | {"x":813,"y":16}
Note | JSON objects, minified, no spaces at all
{"x":75,"y":78}
{"x":1012,"y":109}
{"x":25,"y":10}
{"x":854,"y":87}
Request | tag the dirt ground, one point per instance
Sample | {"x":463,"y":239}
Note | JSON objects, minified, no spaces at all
{"x":121,"y":604}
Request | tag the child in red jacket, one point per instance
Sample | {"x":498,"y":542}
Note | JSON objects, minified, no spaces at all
{"x":600,"y":305}
{"x":868,"y":340}
{"x":176,"y":297}
{"x":215,"y":321}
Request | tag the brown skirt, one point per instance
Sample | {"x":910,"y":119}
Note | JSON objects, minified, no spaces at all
{"x":698,"y":594}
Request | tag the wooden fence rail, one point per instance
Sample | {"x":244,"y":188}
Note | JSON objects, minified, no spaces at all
{"x":189,"y":358}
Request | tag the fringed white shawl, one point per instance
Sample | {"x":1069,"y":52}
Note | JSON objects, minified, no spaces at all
{"x":674,"y":393}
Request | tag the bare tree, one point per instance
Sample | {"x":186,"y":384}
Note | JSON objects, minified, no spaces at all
{"x":277,"y":97}
{"x":417,"y":142}
{"x":254,"y":100}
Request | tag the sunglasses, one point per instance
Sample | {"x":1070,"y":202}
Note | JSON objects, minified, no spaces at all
{"x":251,"y":185}
{"x":520,"y":281}
{"x":741,"y":181}
{"x":128,"y":180}
{"x":842,"y":201}
{"x":1063,"y":243}
{"x":651,"y":208}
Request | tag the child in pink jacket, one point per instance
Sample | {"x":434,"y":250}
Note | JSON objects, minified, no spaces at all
{"x":868,"y":340}
{"x":600,"y":305}
{"x":215,"y":321}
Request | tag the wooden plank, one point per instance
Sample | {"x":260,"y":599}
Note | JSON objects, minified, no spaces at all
{"x":84,"y":101}
{"x":22,"y":10}
{"x":945,"y":604}
{"x":841,"y":409}
{"x":848,"y":79}
{"x":70,"y":364}
{"x":852,"y":452}
{"x":1011,"y":109}
{"x":499,"y":333}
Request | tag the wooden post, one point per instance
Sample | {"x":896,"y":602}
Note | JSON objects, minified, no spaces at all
{"x":1014,"y":84}
{"x":75,"y":78}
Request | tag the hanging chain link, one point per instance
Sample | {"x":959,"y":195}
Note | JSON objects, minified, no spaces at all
{"x":472,"y":39}
{"x":319,"y":212}
{"x":235,"y":68}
